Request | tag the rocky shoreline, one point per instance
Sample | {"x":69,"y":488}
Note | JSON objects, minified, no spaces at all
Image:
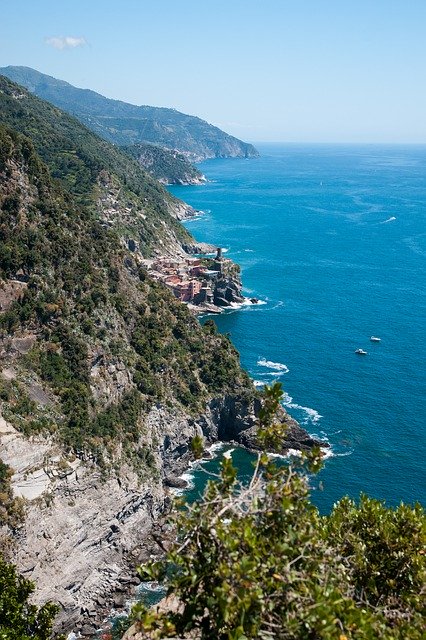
{"x":84,"y":534}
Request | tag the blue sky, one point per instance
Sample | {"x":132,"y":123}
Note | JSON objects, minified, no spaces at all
{"x":270,"y":70}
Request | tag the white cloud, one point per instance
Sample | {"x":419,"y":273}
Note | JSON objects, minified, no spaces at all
{"x":65,"y":42}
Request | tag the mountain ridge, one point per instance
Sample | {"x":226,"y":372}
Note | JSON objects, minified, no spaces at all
{"x":126,"y":124}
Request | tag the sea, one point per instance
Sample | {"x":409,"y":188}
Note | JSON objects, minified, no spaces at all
{"x":332,"y":241}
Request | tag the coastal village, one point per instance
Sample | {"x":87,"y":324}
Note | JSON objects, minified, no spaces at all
{"x":202,"y":283}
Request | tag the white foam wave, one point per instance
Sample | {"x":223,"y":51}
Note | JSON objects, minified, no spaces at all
{"x":259,"y":383}
{"x":188,"y":476}
{"x":294,"y":453}
{"x":326,"y":452}
{"x":194,"y":217}
{"x":249,"y":250}
{"x":246,"y":303}
{"x":311,"y":414}
{"x":272,"y":374}
{"x":277,"y":366}
{"x":215,"y":448}
{"x":266,"y":302}
{"x":149,"y":586}
{"x":228,"y":454}
{"x":391,"y":219}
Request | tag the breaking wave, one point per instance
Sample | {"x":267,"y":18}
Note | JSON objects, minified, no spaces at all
{"x":311,"y":415}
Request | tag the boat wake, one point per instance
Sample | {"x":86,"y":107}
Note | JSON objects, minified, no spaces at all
{"x":276,"y":366}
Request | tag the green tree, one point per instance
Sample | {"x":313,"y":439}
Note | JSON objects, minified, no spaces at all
{"x":257,"y":560}
{"x":20,"y":620}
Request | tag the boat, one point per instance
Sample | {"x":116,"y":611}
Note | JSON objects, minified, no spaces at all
{"x":361,"y":352}
{"x":375,"y":339}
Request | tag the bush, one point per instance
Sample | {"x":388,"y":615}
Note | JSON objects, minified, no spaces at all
{"x":20,"y":620}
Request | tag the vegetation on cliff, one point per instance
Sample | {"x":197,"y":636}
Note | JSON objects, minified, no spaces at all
{"x":70,"y":203}
{"x":126,"y":124}
{"x":19,"y":619}
{"x":11,"y":508}
{"x":89,"y":168}
{"x":259,"y":561}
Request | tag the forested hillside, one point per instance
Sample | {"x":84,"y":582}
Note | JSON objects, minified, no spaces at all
{"x":70,"y":204}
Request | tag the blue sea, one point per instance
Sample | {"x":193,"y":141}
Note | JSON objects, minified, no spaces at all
{"x":332,"y":240}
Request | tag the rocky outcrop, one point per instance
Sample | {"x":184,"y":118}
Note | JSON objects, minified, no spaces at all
{"x":10,"y":292}
{"x":182,"y":211}
{"x":227,"y":289}
{"x":199,"y":247}
{"x":235,"y":419}
{"x":227,"y":292}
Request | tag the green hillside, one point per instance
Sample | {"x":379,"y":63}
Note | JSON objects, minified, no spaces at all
{"x":86,"y":165}
{"x":126,"y":124}
{"x":73,"y":290}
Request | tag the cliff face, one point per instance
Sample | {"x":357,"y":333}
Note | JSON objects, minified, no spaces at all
{"x":85,"y":530}
{"x":127,"y":124}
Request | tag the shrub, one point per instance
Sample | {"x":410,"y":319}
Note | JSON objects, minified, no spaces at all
{"x":19,"y":619}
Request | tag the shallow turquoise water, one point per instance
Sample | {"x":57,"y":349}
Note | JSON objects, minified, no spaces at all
{"x":333,"y":240}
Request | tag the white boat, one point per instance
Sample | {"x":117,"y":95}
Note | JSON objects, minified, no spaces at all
{"x":361,"y":352}
{"x":374,"y":339}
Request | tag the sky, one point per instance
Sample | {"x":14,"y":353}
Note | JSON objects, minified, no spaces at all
{"x":262,"y":70}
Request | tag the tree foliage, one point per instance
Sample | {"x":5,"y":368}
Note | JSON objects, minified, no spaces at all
{"x":19,"y":619}
{"x":11,"y":508}
{"x":259,"y":561}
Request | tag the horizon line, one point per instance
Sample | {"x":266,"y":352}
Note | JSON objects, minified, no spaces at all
{"x":334,"y":142}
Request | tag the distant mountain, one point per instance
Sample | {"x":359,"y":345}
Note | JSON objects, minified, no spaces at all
{"x":127,"y":124}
